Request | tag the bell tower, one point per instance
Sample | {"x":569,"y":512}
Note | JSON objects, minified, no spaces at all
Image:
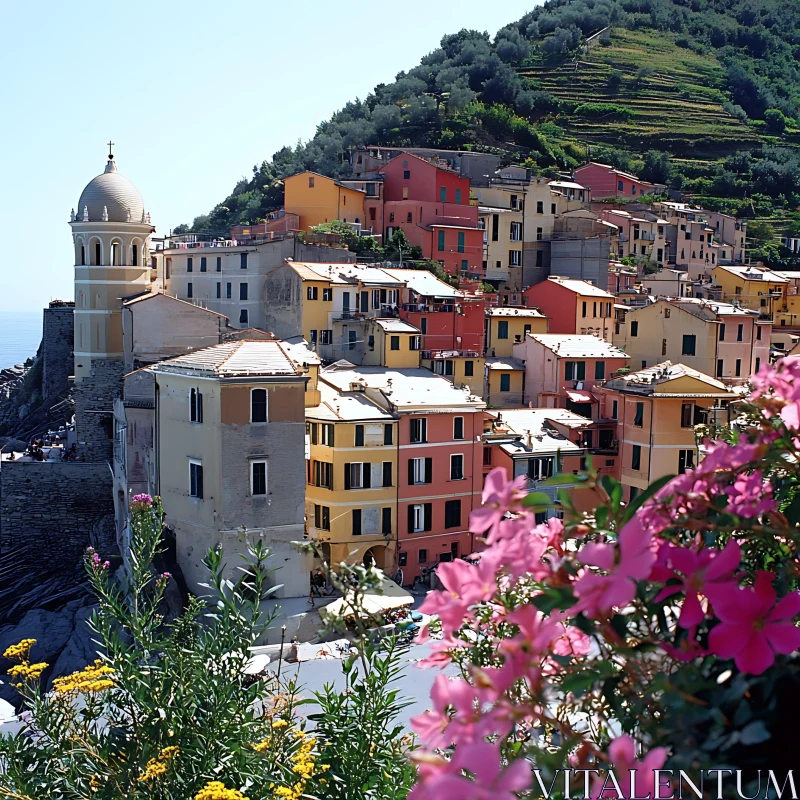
{"x":111,"y":233}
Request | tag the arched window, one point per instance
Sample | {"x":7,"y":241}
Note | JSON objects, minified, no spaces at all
{"x":83,"y":256}
{"x":135,"y":255}
{"x":98,"y":257}
{"x":258,"y":405}
{"x":116,"y":253}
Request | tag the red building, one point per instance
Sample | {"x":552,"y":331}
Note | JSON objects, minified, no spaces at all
{"x":607,"y":181}
{"x":431,"y":205}
{"x":449,"y":318}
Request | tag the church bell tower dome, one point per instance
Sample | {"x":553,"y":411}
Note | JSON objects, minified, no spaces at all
{"x":110,"y":197}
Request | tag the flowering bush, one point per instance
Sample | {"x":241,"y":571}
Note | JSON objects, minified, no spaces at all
{"x":664,"y":626}
{"x":169,"y":712}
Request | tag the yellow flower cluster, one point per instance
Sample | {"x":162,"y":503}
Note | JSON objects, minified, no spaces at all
{"x":280,"y":723}
{"x":20,"y":650}
{"x":27,"y":672}
{"x":158,"y":766}
{"x":215,"y":790}
{"x":304,"y":764}
{"x":89,"y":679}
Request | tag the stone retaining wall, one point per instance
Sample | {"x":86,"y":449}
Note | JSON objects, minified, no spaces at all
{"x":62,"y":506}
{"x":56,"y":350}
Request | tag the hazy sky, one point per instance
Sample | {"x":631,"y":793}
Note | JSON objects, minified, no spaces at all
{"x":192,"y":93}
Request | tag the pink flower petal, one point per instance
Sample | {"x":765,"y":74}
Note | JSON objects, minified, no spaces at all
{"x":756,"y":656}
{"x":725,"y":561}
{"x":726,"y":640}
{"x":692,"y":612}
{"x":787,"y":607}
{"x":784,"y":637}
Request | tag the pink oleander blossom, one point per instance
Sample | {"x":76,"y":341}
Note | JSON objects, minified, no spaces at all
{"x":142,"y":499}
{"x":634,"y":556}
{"x":753,"y":627}
{"x":750,"y":495}
{"x":636,"y":778}
{"x":442,"y":780}
{"x":696,"y":571}
{"x":778,"y":389}
{"x":687,"y":649}
{"x":499,"y":494}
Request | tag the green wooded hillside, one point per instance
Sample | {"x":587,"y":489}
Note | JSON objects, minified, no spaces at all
{"x":703,"y":94}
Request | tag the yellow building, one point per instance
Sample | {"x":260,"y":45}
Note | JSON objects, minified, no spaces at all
{"x":506,"y":326}
{"x":351,"y":496}
{"x":317,"y":199}
{"x":459,"y":368}
{"x":758,"y":289}
{"x":389,"y":343}
{"x":715,"y":338}
{"x":504,"y":382}
{"x":656,"y":411}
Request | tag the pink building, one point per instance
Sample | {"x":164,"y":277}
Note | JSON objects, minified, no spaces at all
{"x":440,"y":464}
{"x":432,"y":206}
{"x":606,"y":181}
{"x":561,"y":370}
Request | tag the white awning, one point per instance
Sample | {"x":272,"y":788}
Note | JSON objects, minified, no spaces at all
{"x":392,"y":596}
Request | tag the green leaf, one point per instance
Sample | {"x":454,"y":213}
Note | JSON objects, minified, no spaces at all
{"x":553,"y":598}
{"x":564,"y":479}
{"x":754,"y":733}
{"x":613,"y":489}
{"x":579,"y":682}
{"x":640,"y":499}
{"x":538,"y":500}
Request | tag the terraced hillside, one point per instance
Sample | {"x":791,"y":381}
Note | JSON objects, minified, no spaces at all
{"x":667,"y":97}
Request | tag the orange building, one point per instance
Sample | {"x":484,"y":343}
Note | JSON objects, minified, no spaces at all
{"x":316,"y":199}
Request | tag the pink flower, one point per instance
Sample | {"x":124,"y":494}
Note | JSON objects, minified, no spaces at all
{"x":444,"y":781}
{"x":636,"y":778}
{"x":142,"y":500}
{"x":688,"y":649}
{"x":470,"y":720}
{"x":499,"y":494}
{"x":536,"y":634}
{"x":778,"y":389}
{"x":466,"y":585}
{"x":598,"y":594}
{"x":696,"y":571}
{"x":753,"y":628}
{"x":750,"y":495}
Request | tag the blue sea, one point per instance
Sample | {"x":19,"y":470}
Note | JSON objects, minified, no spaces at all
{"x":20,"y":334}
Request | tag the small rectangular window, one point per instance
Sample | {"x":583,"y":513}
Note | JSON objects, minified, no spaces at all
{"x":614,"y":409}
{"x":327,"y":295}
{"x":452,"y":514}
{"x":599,"y":370}
{"x":487,"y":456}
{"x":243,"y":317}
{"x":458,"y":427}
{"x":189,"y":290}
{"x":203,"y":264}
{"x":195,"y":406}
{"x":422,"y":556}
{"x":189,"y":264}
{"x":469,"y":369}
{"x":539,"y":207}
{"x":502,"y":329}
{"x":219,"y":290}
{"x":685,"y":461}
{"x":359,"y":435}
{"x":387,"y":473}
{"x":442,"y":194}
{"x":634,"y":327}
{"x":738,"y":367}
{"x":219,"y":263}
{"x":456,"y":467}
{"x":386,"y":521}
{"x":758,"y":333}
{"x":458,"y":195}
{"x":258,"y":480}
{"x":419,"y":430}
{"x":387,"y":434}
{"x":311,"y":293}
{"x":243,"y":260}
{"x":258,"y":405}
{"x":636,"y":457}
{"x":740,"y":333}
{"x":195,"y":479}
{"x":689,"y":344}
{"x":394,"y":342}
{"x":720,"y":367}
{"x":583,"y":309}
{"x":402,"y":559}
{"x":638,"y":419}
{"x":356,"y":522}
{"x":722,"y":332}
{"x":243,"y":291}
{"x":406,"y":174}
{"x":505,"y":383}
{"x":228,"y":290}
